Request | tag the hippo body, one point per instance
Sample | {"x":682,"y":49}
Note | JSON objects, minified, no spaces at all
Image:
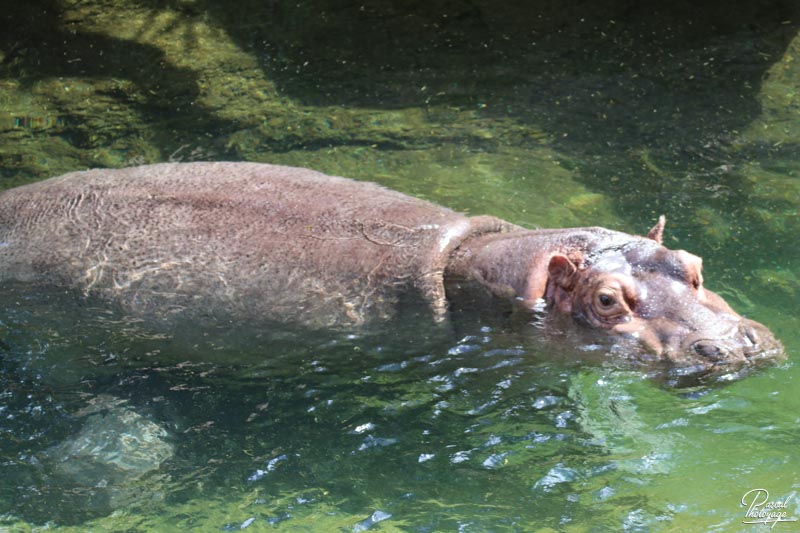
{"x":253,"y":241}
{"x":234,"y":240}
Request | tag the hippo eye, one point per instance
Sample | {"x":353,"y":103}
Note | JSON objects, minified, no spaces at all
{"x":608,"y":304}
{"x":606,"y":301}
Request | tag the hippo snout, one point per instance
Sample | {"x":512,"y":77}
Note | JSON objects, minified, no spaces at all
{"x":758,"y":340}
{"x":710,"y":349}
{"x":749,"y":340}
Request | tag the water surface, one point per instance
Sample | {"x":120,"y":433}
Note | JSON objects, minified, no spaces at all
{"x":556,"y":117}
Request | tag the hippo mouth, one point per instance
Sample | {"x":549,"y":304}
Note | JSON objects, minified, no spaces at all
{"x":717,"y":357}
{"x":694,"y":371}
{"x":724,"y":353}
{"x":749,"y":342}
{"x":709,"y":359}
{"x":703,"y":356}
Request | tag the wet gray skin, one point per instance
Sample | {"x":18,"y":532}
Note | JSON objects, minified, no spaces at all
{"x":247,"y":241}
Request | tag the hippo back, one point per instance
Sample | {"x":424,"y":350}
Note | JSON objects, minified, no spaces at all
{"x":241,"y":239}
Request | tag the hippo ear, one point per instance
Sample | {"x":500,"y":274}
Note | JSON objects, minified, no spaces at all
{"x":561,"y":271}
{"x":657,"y":233}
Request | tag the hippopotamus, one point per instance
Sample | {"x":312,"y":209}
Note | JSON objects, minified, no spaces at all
{"x":249,"y":241}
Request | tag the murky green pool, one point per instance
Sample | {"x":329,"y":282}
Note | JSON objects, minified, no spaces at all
{"x":544,"y":115}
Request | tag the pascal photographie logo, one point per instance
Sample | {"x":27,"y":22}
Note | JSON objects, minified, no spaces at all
{"x":763,"y":511}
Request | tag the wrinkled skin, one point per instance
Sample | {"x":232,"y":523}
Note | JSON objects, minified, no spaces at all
{"x":244,"y":242}
{"x":631,"y":287}
{"x":660,"y":299}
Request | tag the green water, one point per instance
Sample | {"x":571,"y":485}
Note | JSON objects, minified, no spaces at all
{"x":547,"y":115}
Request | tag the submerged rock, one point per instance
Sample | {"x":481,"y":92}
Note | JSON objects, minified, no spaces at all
{"x":368,"y":523}
{"x":114,"y":450}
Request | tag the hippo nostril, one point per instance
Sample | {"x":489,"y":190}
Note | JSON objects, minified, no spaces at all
{"x":709,"y":350}
{"x":751,"y":335}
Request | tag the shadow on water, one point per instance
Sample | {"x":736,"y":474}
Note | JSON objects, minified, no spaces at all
{"x":636,"y":96}
{"x":39,"y":44}
{"x":642,"y":99}
{"x":613,"y":63}
{"x":598,"y":76}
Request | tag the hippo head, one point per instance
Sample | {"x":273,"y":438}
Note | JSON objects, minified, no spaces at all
{"x":637,"y":289}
